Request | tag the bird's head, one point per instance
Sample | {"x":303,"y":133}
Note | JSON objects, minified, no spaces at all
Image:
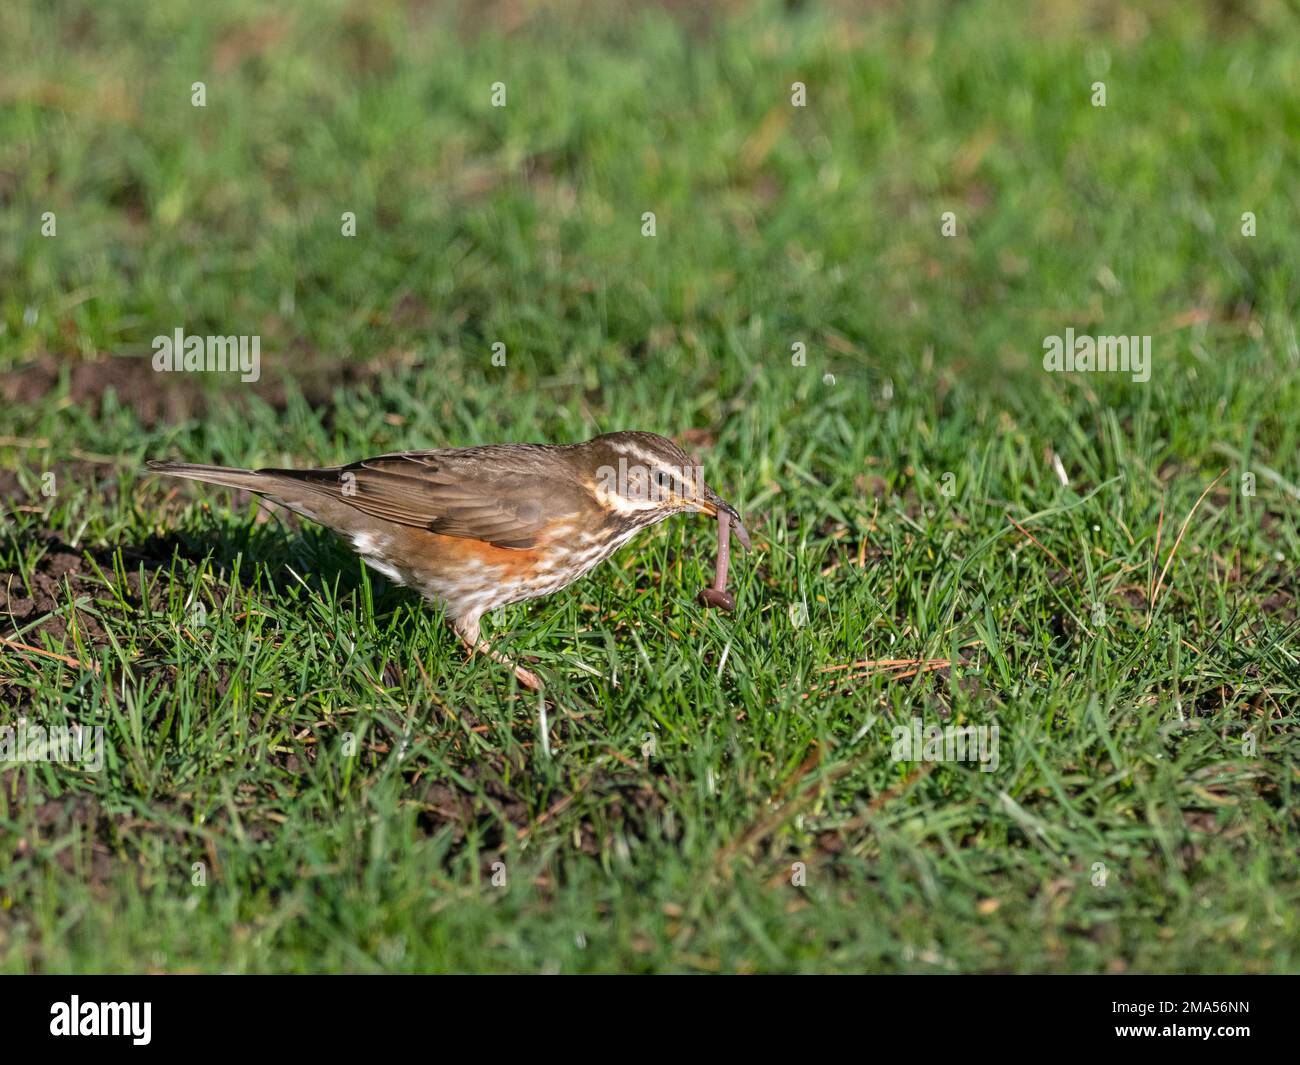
{"x":643,"y":478}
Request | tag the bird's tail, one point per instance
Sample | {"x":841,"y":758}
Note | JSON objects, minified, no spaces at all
{"x":228,"y":476}
{"x":307,"y":492}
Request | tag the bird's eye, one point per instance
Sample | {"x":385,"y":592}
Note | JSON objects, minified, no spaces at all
{"x":664,"y":482}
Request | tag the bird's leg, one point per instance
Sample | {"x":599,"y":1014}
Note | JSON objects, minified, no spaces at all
{"x":467,"y":629}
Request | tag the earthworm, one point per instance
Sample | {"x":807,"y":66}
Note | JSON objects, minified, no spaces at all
{"x":717,"y":594}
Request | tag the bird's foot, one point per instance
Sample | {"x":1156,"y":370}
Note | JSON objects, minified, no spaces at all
{"x":528,"y":678}
{"x":469,"y":637}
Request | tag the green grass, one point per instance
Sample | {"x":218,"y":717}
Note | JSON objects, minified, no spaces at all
{"x":313,"y":736}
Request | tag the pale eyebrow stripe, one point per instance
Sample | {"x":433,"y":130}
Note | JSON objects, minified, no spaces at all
{"x":676,"y":475}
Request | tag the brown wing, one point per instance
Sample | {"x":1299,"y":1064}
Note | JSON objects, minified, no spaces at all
{"x":502,"y":494}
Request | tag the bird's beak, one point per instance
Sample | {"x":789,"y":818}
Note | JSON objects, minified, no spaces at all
{"x":711,"y":503}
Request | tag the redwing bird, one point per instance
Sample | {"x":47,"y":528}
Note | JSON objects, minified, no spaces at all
{"x":476,"y":528}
